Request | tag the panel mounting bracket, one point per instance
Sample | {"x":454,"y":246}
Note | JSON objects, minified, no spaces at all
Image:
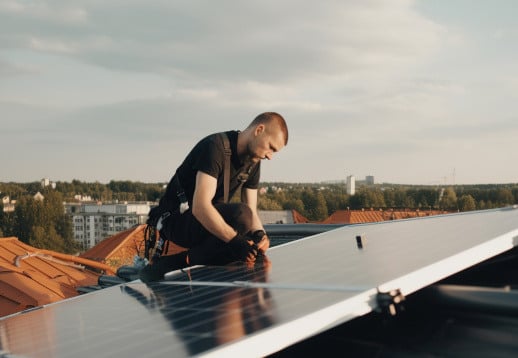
{"x":390,"y":303}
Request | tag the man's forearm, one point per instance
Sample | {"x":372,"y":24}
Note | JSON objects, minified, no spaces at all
{"x":214,"y":223}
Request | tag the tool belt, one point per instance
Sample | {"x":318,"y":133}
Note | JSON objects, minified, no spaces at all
{"x":153,"y":239}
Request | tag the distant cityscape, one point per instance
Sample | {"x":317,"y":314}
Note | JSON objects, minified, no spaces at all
{"x":94,"y":219}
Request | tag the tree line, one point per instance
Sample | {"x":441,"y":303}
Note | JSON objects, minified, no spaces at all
{"x":40,"y":223}
{"x":123,"y":190}
{"x":317,"y":201}
{"x":44,"y":223}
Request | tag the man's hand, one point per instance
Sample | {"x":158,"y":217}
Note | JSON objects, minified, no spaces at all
{"x":243,"y":249}
{"x":264,"y":244}
{"x":260,"y":238}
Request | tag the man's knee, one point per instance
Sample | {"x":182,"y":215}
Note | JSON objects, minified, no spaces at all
{"x":244,"y":218}
{"x":237,"y":215}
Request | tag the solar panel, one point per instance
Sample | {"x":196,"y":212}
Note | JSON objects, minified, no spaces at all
{"x":311,"y":285}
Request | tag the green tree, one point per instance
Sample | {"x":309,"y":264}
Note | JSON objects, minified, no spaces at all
{"x":374,"y":199}
{"x":265,"y":203}
{"x":336,"y":199}
{"x":466,"y":203}
{"x":46,"y":238}
{"x":294,"y":204}
{"x":390,"y":198}
{"x":44,"y":224}
{"x":448,"y":200}
{"x":153,"y":192}
{"x":504,"y":197}
{"x":314,"y":204}
{"x":13,"y":191}
{"x":515,"y":194}
{"x":368,"y":198}
{"x":425,"y":198}
{"x":7,"y":223}
{"x":402,"y":200}
{"x":26,"y":217}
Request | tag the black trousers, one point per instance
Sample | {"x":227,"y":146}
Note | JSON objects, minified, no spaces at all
{"x":204,"y":248}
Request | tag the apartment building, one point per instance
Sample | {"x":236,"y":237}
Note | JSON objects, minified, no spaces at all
{"x":95,"y":221}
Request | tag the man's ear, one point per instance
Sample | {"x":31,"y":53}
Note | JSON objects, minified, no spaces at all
{"x":259,"y":129}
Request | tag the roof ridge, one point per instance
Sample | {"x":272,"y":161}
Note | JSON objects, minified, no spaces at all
{"x":131,"y":234}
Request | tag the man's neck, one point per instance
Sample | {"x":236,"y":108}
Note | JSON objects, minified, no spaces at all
{"x":242,"y":150}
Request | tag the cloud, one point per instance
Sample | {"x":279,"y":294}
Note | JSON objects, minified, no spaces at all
{"x":52,"y":12}
{"x":9,"y":69}
{"x":364,"y":85}
{"x":267,"y":42}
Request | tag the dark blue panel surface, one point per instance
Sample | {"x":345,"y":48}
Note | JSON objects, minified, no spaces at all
{"x":310,"y":285}
{"x":135,"y":319}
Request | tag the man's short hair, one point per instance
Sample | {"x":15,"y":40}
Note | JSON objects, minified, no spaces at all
{"x":272,"y":117}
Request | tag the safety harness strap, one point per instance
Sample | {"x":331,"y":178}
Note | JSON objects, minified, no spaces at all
{"x":226,"y":174}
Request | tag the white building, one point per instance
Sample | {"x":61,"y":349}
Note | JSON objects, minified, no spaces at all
{"x":351,"y":182}
{"x":46,"y":182}
{"x":8,"y":204}
{"x":38,"y":196}
{"x":93,"y":222}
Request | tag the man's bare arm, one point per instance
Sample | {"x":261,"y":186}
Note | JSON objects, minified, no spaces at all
{"x":249,"y":196}
{"x":205,"y":212}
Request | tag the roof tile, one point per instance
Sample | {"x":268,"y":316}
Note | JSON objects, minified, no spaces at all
{"x":31,"y":277}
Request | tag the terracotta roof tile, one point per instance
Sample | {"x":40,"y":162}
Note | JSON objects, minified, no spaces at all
{"x":31,"y":277}
{"x":298,"y":218}
{"x":120,"y":249}
{"x":365,"y":216}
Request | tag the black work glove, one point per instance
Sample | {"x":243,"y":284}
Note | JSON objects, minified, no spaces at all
{"x":256,"y":236}
{"x":241,"y":249}
{"x":261,"y":240}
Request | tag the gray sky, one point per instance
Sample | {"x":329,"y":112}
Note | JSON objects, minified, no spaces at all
{"x":407,"y":91}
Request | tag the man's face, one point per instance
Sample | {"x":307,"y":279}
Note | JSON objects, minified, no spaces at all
{"x":266,"y":141}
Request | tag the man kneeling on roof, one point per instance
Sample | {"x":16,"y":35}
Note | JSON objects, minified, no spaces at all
{"x":195,"y":212}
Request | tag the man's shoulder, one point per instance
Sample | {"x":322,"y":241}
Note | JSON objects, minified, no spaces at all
{"x":217,"y":139}
{"x":213,"y":145}
{"x":211,"y":140}
{"x":217,"y":135}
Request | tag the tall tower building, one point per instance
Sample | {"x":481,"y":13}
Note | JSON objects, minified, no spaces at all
{"x":351,"y":181}
{"x":45,"y":182}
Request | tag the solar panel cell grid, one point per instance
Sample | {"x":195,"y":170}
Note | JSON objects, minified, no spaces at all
{"x":311,"y":285}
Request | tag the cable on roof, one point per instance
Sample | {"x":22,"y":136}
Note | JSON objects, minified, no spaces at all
{"x":46,"y":257}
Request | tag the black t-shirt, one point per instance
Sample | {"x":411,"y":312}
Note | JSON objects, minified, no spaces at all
{"x":208,"y":156}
